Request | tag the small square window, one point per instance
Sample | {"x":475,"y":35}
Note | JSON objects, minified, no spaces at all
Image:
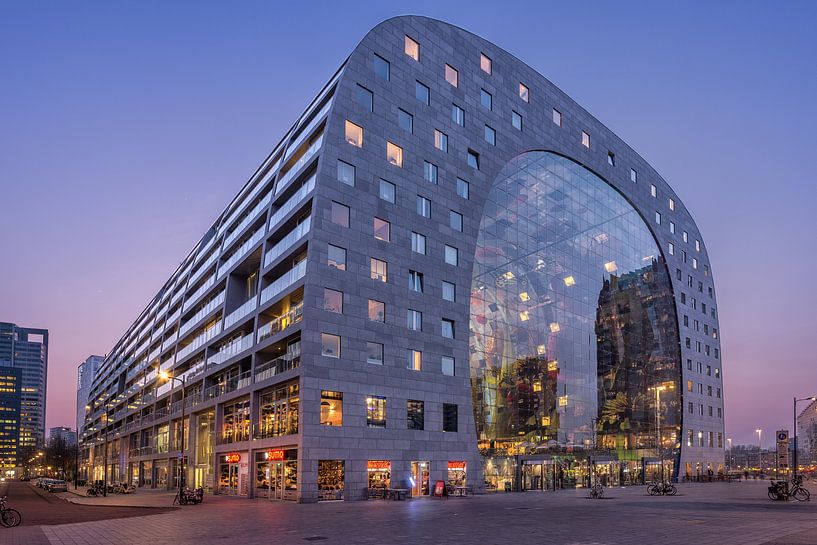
{"x":451,"y":75}
{"x":585,"y":140}
{"x":457,"y":115}
{"x":387,"y":191}
{"x":557,"y":117}
{"x":364,"y":97}
{"x":340,"y":214}
{"x":463,"y":188}
{"x":490,"y":135}
{"x":449,"y":291}
{"x":524,"y":93}
{"x":382,"y":230}
{"x":672,"y":204}
{"x":441,"y":141}
{"x":415,"y":360}
{"x":485,"y":63}
{"x":377,"y":311}
{"x":394,"y":154}
{"x":346,"y":173}
{"x":430,"y":172}
{"x":330,"y":345}
{"x":473,"y":159}
{"x":451,"y":255}
{"x":378,"y":270}
{"x":405,"y":120}
{"x":336,"y":257}
{"x":633,"y":175}
{"x":381,"y":67}
{"x":354,"y":134}
{"x":611,"y":158}
{"x":418,"y":243}
{"x":412,"y":49}
{"x":486,"y":99}
{"x":448,"y":328}
{"x":333,"y":301}
{"x":653,"y":191}
{"x":447,"y":364}
{"x":414,"y":320}
{"x":516,"y":121}
{"x":374,"y":353}
{"x":421,"y":92}
{"x":423,"y":206}
{"x":415,"y":281}
{"x":455,"y":220}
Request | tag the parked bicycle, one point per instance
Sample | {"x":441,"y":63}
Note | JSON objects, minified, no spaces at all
{"x":786,"y":490}
{"x":661,"y":489}
{"x":189,"y":496}
{"x":596,"y":492}
{"x":9,"y":517}
{"x":95,"y":489}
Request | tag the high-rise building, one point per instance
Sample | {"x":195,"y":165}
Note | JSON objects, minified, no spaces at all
{"x":807,"y":435}
{"x":85,"y":376}
{"x":27,"y":349}
{"x":62,"y":432}
{"x":10,"y":389}
{"x":446,"y":270}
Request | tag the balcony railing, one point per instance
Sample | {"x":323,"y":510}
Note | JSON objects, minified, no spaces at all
{"x":213,"y":304}
{"x":276,"y":325}
{"x":240,"y":312}
{"x":307,"y":131}
{"x":285,"y":243}
{"x":199,"y":341}
{"x":171,"y":320}
{"x":292,"y":202}
{"x":276,"y":366}
{"x":230,"y":385}
{"x":230,"y":349}
{"x":234,"y":435}
{"x":257,"y":209}
{"x":189,"y":301}
{"x":169,"y":341}
{"x":287,"y":426}
{"x":155,"y":354}
{"x":241,"y":251}
{"x":203,"y":267}
{"x":304,"y":159}
{"x":283,"y":282}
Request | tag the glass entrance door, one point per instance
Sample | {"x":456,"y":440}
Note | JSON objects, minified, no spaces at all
{"x":228,"y":479}
{"x":420,"y":472}
{"x":269,"y":480}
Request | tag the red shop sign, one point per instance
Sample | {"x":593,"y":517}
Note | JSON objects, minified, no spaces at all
{"x":232,"y":458}
{"x":275,"y":455}
{"x":379,"y":465}
{"x":456,"y":464}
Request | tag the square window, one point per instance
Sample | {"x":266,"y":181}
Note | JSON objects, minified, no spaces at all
{"x":415,"y":360}
{"x":381,"y":67}
{"x":585,"y":140}
{"x":450,"y":417}
{"x":364,"y":97}
{"x":557,"y":117}
{"x":378,"y":270}
{"x":412,"y":49}
{"x":387,"y":191}
{"x":330,"y":345}
{"x":414,"y":320}
{"x":430,"y":172}
{"x":653,"y":190}
{"x":440,"y":140}
{"x":415,"y":281}
{"x":331,"y":408}
{"x":339,"y":214}
{"x":524,"y":93}
{"x":451,"y":255}
{"x":394,"y":154}
{"x":449,"y":291}
{"x":611,"y":158}
{"x":346,"y":173}
{"x":374,"y":353}
{"x":377,"y":311}
{"x":447,"y":366}
{"x":421,"y":92}
{"x":457,"y":115}
{"x":516,"y":121}
{"x":423,"y":206}
{"x":486,"y":99}
{"x":376,"y":411}
{"x":473,"y":159}
{"x":354,"y":134}
{"x":485,"y":63}
{"x":333,"y":300}
{"x":451,"y":75}
{"x":418,"y":243}
{"x":463,"y":188}
{"x":633,"y":176}
{"x":405,"y":120}
{"x":415,"y":411}
{"x":448,"y":328}
{"x":336,"y":257}
{"x":490,"y":135}
{"x":455,"y":220}
{"x":382,"y":230}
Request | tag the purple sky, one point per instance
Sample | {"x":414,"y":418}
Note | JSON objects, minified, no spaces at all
{"x":125,"y":129}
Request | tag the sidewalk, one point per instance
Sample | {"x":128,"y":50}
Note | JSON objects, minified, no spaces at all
{"x":143,"y":497}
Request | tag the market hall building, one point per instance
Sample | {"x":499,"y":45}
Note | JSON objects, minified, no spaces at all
{"x":447,"y":270}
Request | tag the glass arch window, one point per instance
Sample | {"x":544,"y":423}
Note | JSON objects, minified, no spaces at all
{"x":574,"y":346}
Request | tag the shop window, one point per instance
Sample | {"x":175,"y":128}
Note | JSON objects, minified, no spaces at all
{"x":447,"y":366}
{"x":451,"y":75}
{"x":331,"y":408}
{"x":336,"y":257}
{"x":382,"y":67}
{"x":415,"y":411}
{"x":374,"y":353}
{"x":382,"y":230}
{"x":278,"y":411}
{"x":331,"y":480}
{"x":379,"y":270}
{"x":377,"y":311}
{"x":376,"y":411}
{"x":412,"y":49}
{"x":354,"y":134}
{"x":415,"y":360}
{"x":457,"y":473}
{"x":330,"y":345}
{"x":339,"y":214}
{"x":333,"y":300}
{"x":450,"y":417}
{"x":379,"y":475}
{"x":346,"y":173}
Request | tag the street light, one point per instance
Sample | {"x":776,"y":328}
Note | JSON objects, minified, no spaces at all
{"x":794,"y":464}
{"x":164,"y":375}
{"x":759,"y":432}
{"x":729,"y":462}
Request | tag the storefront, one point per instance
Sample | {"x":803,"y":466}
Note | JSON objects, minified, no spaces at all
{"x":233,"y":469}
{"x":500,"y":473}
{"x":276,"y":474}
{"x":420,"y":481}
{"x":161,"y":474}
{"x":331,"y":480}
{"x":457,"y":471}
{"x":146,"y":470}
{"x":379,"y":473}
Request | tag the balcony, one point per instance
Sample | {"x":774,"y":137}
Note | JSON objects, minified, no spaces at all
{"x":155,"y":354}
{"x":170,"y":341}
{"x":276,"y":366}
{"x":231,"y":349}
{"x":241,"y":251}
{"x":235,"y":434}
{"x":283,"y":282}
{"x":230,"y":385}
{"x":203,"y":267}
{"x":253,"y":214}
{"x":278,"y":428}
{"x":304,"y":159}
{"x":276,"y":325}
{"x":291,"y":203}
{"x":171,"y":320}
{"x":213,"y":304}
{"x":189,"y":301}
{"x":240,"y":312}
{"x":285,"y":243}
{"x":199,"y":341}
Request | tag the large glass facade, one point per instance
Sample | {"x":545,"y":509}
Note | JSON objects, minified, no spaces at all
{"x":574,"y":339}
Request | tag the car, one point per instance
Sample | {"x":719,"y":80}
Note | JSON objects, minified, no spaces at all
{"x":57,"y":485}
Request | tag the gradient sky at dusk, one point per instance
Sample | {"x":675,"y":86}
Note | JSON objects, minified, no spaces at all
{"x":125,"y":128}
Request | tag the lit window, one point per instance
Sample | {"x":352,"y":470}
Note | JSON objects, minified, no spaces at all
{"x":421,"y":92}
{"x":490,"y":135}
{"x":448,"y":328}
{"x":463,"y":188}
{"x":516,"y":120}
{"x":336,"y":257}
{"x":415,"y":360}
{"x":473,"y":159}
{"x":610,"y":267}
{"x":331,"y":408}
{"x":557,"y":117}
{"x":382,"y":230}
{"x":377,"y":311}
{"x":524,"y":93}
{"x":418,"y":243}
{"x":376,"y":411}
{"x":430,"y":172}
{"x":378,"y":270}
{"x":354,"y":134}
{"x":451,"y":255}
{"x":412,"y":49}
{"x":364,"y":97}
{"x":611,"y":158}
{"x":333,"y":300}
{"x":374,"y":353}
{"x":394,"y":154}
{"x":346,"y":173}
{"x":455,"y":220}
{"x":415,"y":281}
{"x":485,"y":63}
{"x":405,"y":120}
{"x":414,"y":320}
{"x":340,"y":214}
{"x":447,"y":366}
{"x":570,"y":281}
{"x":671,"y":204}
{"x":423,"y":206}
{"x":449,"y":291}
{"x":633,"y":176}
{"x":555,"y":327}
{"x":387,"y":191}
{"x":653,"y":190}
{"x":486,"y":99}
{"x":330,"y":345}
{"x":451,"y":75}
{"x":381,"y":67}
{"x":450,"y":418}
{"x":415,"y":411}
{"x":457,"y":115}
{"x":585,"y":139}
{"x":440,"y":141}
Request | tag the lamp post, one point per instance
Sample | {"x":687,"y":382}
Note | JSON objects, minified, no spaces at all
{"x":76,"y":462}
{"x":794,"y":458}
{"x":164,"y":375}
{"x":729,"y":460}
{"x":105,"y":453}
{"x":759,"y":433}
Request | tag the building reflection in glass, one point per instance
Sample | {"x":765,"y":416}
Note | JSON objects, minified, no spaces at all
{"x":574,"y":338}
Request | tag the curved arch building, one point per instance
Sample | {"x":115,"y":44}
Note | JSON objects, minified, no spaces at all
{"x":447,"y":270}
